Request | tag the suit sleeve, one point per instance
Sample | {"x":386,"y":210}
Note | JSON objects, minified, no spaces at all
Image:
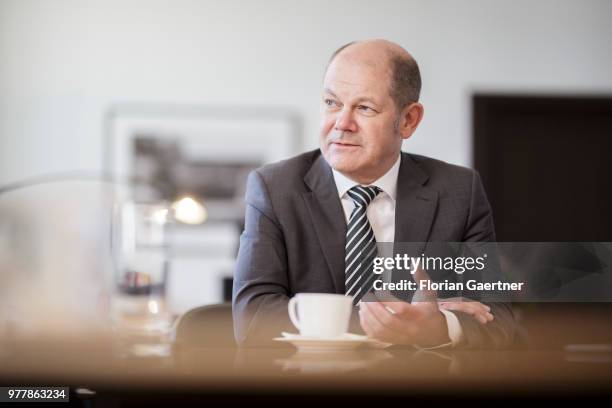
{"x":498,"y":333}
{"x":260,"y":291}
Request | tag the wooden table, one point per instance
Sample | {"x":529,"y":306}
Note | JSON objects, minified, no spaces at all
{"x":190,"y":374}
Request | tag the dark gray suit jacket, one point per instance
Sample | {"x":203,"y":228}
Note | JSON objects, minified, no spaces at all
{"x":295,"y":228}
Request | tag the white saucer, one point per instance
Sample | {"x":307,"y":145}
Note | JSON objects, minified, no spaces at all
{"x":345,"y":342}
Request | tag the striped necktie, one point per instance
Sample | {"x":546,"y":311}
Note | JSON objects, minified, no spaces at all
{"x":360,"y":244}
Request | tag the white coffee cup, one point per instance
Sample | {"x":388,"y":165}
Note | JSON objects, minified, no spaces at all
{"x":323,"y":315}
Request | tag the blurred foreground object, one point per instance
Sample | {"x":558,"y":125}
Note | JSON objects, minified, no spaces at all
{"x":79,"y":259}
{"x":55,"y":258}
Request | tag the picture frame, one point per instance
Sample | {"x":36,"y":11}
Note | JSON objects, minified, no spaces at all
{"x":201,"y":151}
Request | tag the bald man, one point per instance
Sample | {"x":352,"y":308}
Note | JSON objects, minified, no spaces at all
{"x":299,"y":234}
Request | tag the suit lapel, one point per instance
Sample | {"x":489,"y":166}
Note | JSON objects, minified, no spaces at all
{"x":415,"y":204}
{"x":327,"y":217}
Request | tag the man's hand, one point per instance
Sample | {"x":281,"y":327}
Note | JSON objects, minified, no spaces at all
{"x":397,"y":322}
{"x":404,"y":323}
{"x":479,"y":311}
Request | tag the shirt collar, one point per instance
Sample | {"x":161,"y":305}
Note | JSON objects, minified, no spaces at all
{"x":387,"y":183}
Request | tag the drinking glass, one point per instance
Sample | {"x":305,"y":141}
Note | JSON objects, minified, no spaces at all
{"x":140,"y":313}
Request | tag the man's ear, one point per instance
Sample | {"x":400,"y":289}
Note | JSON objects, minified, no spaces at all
{"x":409,"y":119}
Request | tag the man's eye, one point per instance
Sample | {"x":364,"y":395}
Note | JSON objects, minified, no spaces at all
{"x":365,"y":109}
{"x":329,"y":102}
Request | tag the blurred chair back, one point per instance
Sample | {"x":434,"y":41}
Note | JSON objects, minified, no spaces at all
{"x":206,"y":326}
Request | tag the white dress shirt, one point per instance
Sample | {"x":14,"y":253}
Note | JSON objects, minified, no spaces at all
{"x":381,"y":214}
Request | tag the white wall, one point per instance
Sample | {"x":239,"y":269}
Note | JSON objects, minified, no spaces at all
{"x":63,"y":62}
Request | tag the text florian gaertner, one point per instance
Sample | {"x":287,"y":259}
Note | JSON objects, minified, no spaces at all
{"x":459,"y":265}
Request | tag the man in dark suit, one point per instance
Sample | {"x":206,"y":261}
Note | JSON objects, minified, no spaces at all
{"x":306,"y":217}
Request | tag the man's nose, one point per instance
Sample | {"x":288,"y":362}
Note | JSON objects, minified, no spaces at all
{"x":345,"y":121}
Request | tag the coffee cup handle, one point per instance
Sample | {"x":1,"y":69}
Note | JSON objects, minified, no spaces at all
{"x":293,"y":312}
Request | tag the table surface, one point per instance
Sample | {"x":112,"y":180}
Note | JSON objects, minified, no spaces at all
{"x":104,"y":365}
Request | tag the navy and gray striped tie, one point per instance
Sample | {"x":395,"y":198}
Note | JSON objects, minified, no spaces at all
{"x":360,"y":244}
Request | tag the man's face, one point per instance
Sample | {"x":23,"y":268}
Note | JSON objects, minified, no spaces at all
{"x":358,"y":133}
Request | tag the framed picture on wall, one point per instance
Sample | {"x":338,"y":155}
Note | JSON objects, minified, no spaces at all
{"x":197,"y":151}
